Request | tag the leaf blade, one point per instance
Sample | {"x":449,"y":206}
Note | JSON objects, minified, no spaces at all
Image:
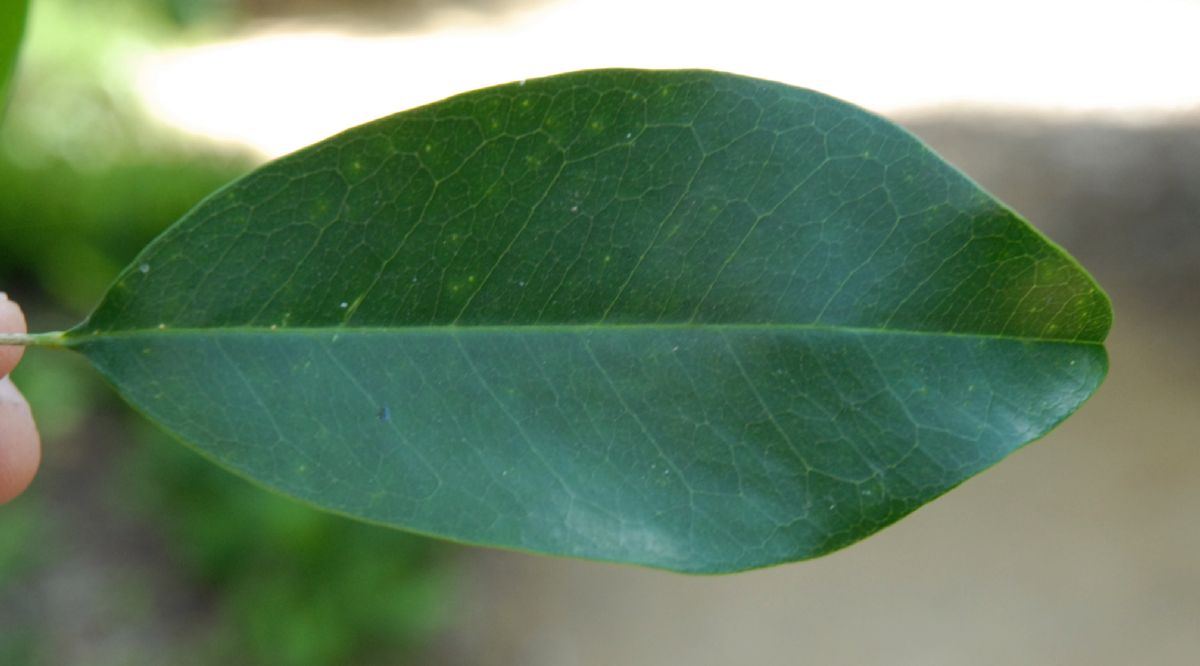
{"x":630,"y":237}
{"x":12,"y":29}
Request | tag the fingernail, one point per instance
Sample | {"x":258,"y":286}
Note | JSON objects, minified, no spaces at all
{"x":8,"y":392}
{"x":3,"y":296}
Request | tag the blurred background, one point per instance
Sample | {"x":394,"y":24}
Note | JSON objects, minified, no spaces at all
{"x":1081,"y":549}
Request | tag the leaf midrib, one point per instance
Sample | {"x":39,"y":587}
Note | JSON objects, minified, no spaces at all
{"x":79,"y":337}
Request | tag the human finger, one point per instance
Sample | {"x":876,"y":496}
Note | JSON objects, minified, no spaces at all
{"x":20,"y":446}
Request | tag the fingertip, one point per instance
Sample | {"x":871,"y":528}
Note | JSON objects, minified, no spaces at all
{"x":20,"y":445}
{"x":12,"y":320}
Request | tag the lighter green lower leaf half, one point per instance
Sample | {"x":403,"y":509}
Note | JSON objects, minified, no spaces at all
{"x":693,"y":448}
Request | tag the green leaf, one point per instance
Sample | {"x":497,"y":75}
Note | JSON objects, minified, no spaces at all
{"x":684,"y":319}
{"x":12,"y":27}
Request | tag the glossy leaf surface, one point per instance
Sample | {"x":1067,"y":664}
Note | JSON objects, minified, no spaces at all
{"x":682,"y":319}
{"x":12,"y":28}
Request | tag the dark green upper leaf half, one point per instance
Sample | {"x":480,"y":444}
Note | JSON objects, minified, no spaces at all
{"x":682,"y":319}
{"x":12,"y":28}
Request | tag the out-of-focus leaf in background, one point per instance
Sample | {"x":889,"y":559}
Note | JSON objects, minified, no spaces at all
{"x":12,"y":26}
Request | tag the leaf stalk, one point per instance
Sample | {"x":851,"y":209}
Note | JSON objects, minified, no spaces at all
{"x":54,"y":339}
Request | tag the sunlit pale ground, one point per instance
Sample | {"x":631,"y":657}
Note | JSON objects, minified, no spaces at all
{"x":1081,"y":549}
{"x":281,"y":87}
